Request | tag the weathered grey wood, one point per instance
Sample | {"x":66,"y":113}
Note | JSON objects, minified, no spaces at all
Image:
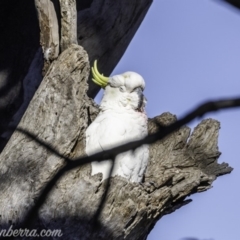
{"x":176,"y":170}
{"x":68,"y":23}
{"x":59,"y":114}
{"x":59,"y":103}
{"x":104,"y":28}
{"x":49,"y":31}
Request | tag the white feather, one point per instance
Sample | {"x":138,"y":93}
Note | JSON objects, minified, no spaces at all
{"x":117,"y":123}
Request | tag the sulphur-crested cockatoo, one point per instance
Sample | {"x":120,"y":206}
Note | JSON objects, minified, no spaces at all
{"x":122,"y":118}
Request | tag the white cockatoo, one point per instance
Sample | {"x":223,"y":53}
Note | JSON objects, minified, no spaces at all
{"x":122,"y":119}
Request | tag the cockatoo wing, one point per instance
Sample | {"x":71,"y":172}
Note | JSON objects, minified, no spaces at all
{"x":104,"y":133}
{"x":108,"y":131}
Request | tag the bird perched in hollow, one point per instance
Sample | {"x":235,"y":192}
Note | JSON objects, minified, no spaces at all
{"x":122,"y":119}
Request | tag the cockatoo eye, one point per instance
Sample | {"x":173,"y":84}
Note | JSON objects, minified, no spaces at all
{"x":122,"y":89}
{"x":137,"y":89}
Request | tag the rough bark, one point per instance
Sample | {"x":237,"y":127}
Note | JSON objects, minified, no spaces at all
{"x":49,"y":31}
{"x":68,"y":23}
{"x":59,"y":114}
{"x":105,"y":28}
{"x":59,"y":103}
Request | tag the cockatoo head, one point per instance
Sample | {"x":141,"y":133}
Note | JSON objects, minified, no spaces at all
{"x":123,"y":91}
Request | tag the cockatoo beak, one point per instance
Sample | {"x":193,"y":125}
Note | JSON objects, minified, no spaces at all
{"x":142,"y":100}
{"x":98,"y":78}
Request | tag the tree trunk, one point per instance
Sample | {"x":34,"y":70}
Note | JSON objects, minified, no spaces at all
{"x":104,"y":29}
{"x":59,"y":113}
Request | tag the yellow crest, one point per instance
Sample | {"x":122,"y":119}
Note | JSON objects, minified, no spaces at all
{"x":98,"y":78}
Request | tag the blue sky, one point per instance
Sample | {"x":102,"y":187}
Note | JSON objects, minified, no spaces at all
{"x":188,"y":51}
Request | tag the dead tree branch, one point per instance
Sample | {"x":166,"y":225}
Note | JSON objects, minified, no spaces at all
{"x":49,"y":31}
{"x":104,"y":28}
{"x":163,"y":132}
{"x":68,"y":23}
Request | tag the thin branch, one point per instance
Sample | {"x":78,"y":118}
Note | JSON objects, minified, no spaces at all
{"x":48,"y":23}
{"x":68,"y":23}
